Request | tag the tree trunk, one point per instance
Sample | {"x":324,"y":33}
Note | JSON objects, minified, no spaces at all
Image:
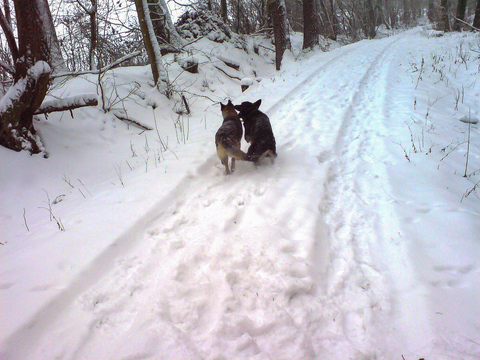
{"x":444,"y":22}
{"x":31,"y":79}
{"x":370,"y":20}
{"x":311,"y":29}
{"x":54,"y":53}
{"x":461,"y":8}
{"x":278,"y":13}
{"x":160,"y":76}
{"x":476,"y":20}
{"x":17,"y":108}
{"x":92,"y":13}
{"x":167,"y":35}
{"x":223,"y":9}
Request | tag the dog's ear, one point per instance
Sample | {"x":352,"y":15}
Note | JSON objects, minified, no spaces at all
{"x":238,"y":107}
{"x":257,"y":103}
{"x":222,"y":106}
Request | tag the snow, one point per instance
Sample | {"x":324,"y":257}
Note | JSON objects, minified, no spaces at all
{"x":360,"y":242}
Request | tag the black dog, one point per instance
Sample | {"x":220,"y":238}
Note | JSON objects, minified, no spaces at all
{"x":258,"y":132}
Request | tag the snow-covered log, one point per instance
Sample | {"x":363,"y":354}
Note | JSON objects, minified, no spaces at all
{"x":70,"y":103}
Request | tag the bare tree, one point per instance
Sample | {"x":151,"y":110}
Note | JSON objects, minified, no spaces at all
{"x":476,"y":20}
{"x":152,"y":46}
{"x":92,"y":14}
{"x":166,"y":34}
{"x":444,"y":23}
{"x":311,"y":28}
{"x":370,"y":20}
{"x":460,"y":17}
{"x":35,"y":54}
{"x":278,"y":13}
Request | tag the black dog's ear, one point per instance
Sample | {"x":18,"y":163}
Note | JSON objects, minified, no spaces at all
{"x":238,"y":107}
{"x":256,"y":104}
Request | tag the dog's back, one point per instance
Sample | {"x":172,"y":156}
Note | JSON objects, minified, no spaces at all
{"x":258,"y":131}
{"x":228,"y":137}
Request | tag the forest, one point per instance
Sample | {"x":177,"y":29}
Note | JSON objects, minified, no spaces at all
{"x":49,"y":41}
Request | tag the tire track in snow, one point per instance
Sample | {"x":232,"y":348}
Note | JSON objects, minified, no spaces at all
{"x":363,"y":224}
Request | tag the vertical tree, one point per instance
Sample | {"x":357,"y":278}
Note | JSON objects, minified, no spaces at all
{"x":311,"y":28}
{"x":92,"y":14}
{"x":223,"y":7}
{"x":370,"y":20}
{"x":444,"y":22}
{"x":160,"y":76}
{"x":278,"y":14}
{"x":167,"y":35}
{"x":461,"y":8}
{"x":36,"y":39}
{"x":476,"y":20}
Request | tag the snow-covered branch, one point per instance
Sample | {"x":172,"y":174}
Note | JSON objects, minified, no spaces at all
{"x":70,"y":103}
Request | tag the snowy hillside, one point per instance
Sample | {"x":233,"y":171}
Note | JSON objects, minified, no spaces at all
{"x":362,"y":241}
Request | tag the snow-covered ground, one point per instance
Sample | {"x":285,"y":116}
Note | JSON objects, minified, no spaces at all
{"x":362,"y":241}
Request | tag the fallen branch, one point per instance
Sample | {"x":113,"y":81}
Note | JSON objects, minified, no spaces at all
{"x":132,"y":122}
{"x":230,"y":76}
{"x":465,"y":23}
{"x":70,"y":103}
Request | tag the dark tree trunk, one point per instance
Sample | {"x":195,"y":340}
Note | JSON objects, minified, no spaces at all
{"x":311,"y":29}
{"x":278,"y":14}
{"x":370,"y":20}
{"x":31,"y":79}
{"x":476,"y":20}
{"x":444,"y":22}
{"x":92,"y":13}
{"x":223,"y":9}
{"x":461,"y":8}
{"x":166,"y":34}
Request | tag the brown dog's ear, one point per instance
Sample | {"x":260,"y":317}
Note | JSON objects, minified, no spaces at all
{"x":222,"y":106}
{"x":257,"y":103}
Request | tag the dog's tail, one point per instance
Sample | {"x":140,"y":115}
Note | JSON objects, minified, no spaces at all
{"x":269,"y":153}
{"x":231,"y":150}
{"x":236,"y":153}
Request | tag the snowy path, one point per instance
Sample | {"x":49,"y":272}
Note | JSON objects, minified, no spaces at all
{"x":291,"y":261}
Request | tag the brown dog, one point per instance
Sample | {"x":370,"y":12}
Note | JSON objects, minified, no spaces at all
{"x":229,"y":136}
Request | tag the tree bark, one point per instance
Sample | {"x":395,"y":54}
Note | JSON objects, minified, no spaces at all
{"x":311,"y":28}
{"x":461,"y":8}
{"x":223,"y":10}
{"x":278,"y":13}
{"x":476,"y":20}
{"x":153,"y":48}
{"x":18,"y":106}
{"x":31,"y":78}
{"x":444,"y":21}
{"x":371,"y":32}
{"x":6,"y":24}
{"x":167,"y":35}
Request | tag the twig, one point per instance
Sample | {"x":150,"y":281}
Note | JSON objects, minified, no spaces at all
{"x":80,"y":181}
{"x":102,"y":70}
{"x":25,"y":219}
{"x":131,"y":121}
